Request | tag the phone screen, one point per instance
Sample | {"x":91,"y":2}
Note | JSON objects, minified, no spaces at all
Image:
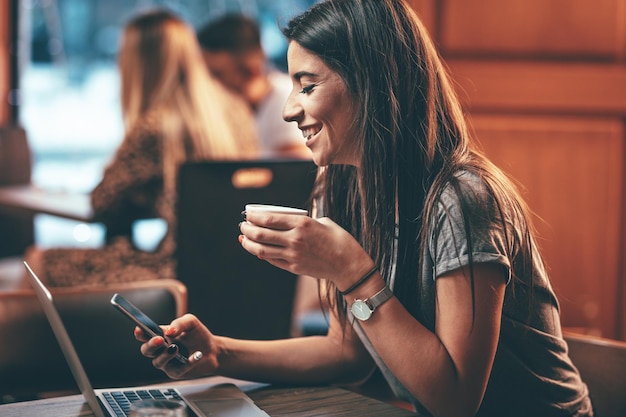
{"x":142,"y":320}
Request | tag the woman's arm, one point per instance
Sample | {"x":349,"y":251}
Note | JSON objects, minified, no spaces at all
{"x":447,"y":371}
{"x":337,"y":357}
{"x":304,"y":360}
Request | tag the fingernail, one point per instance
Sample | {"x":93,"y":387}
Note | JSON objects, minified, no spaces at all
{"x":172,"y":349}
{"x":243,"y":214}
{"x":240,"y":238}
{"x":159,"y":341}
{"x":170,"y":331}
{"x":197,"y":356}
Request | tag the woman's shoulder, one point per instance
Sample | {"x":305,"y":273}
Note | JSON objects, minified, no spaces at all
{"x":481,"y":196}
{"x":465,"y":184}
{"x":147,"y":124}
{"x":145,"y":132}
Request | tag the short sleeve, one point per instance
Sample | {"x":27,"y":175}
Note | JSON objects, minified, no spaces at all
{"x":467,"y":221}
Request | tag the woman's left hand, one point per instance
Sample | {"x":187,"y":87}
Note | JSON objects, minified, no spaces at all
{"x":305,"y":246}
{"x":185,"y":331}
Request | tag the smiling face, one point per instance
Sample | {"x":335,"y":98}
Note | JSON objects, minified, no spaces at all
{"x":321,"y":105}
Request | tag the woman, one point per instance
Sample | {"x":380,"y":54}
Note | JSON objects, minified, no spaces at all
{"x":174,"y":111}
{"x":427,"y":248}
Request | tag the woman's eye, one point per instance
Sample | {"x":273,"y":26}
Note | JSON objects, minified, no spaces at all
{"x":307,"y":89}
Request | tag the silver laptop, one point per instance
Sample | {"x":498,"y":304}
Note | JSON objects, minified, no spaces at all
{"x":220,"y":400}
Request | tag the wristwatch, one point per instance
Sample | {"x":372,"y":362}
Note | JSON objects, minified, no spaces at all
{"x":363,"y":309}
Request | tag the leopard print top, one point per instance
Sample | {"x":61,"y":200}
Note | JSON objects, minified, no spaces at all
{"x":132,"y":182}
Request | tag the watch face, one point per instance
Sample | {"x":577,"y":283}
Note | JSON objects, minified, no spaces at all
{"x":360,"y":310}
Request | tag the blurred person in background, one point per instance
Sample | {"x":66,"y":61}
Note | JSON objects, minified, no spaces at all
{"x":168,"y":120}
{"x":232,"y":50}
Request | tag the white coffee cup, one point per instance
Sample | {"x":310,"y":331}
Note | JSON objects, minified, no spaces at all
{"x":268,"y":208}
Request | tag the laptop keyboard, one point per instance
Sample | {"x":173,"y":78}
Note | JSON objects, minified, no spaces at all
{"x":120,"y":401}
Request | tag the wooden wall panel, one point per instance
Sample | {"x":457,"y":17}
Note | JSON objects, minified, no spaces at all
{"x":546,"y":83}
{"x":427,"y":12}
{"x":541,"y":87}
{"x":553,"y":28}
{"x":571,"y":174}
{"x":621,"y":280}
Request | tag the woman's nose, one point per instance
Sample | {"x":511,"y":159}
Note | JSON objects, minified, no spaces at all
{"x":292,"y":111}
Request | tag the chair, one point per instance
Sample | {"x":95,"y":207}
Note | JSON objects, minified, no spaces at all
{"x":602,"y":364}
{"x":232,"y":292}
{"x":15,"y":169}
{"x":31,"y":361}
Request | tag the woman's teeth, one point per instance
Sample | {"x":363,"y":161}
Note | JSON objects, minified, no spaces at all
{"x":309,"y":133}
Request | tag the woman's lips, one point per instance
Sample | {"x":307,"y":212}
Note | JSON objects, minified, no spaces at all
{"x":310,"y":134}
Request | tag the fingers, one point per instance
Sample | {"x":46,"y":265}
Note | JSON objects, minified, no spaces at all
{"x":262,"y":242}
{"x":183,"y":324}
{"x":153,"y":347}
{"x":277,"y":235}
{"x":166,"y":356}
{"x":262,"y":234}
{"x":284,"y":248}
{"x":166,"y":351}
{"x":264,"y":251}
{"x":195,"y":357}
{"x":140,"y":335}
{"x":274,"y":221}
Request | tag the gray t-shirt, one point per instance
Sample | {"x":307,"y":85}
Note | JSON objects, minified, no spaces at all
{"x":532,"y":374}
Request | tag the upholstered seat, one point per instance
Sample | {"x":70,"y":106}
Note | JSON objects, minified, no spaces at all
{"x":31,"y":361}
{"x":602,"y":364}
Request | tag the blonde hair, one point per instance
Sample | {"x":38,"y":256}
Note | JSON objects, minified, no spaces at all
{"x":162,"y":70}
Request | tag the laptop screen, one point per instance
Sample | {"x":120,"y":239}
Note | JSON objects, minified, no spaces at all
{"x":67,"y":347}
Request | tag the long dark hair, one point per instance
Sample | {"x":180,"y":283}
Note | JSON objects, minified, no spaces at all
{"x":410,"y":131}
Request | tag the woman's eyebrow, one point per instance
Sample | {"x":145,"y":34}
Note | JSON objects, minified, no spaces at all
{"x":301,"y":74}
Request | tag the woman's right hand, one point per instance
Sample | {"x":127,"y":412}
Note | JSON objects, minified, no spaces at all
{"x":188,"y":331}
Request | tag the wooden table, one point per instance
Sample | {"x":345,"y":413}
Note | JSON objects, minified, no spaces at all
{"x":276,"y":401}
{"x":321,"y":401}
{"x":30,"y":199}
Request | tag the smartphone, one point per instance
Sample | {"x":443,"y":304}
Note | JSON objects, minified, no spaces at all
{"x":146,"y":323}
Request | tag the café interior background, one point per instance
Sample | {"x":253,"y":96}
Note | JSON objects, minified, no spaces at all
{"x":543,"y":83}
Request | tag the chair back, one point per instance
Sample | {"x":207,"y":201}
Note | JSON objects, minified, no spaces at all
{"x":15,"y":169}
{"x":31,"y":361}
{"x":232,"y":292}
{"x":602,"y":365}
{"x":15,"y":156}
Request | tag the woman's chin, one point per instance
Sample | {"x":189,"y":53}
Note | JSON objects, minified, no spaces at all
{"x":319,"y":161}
